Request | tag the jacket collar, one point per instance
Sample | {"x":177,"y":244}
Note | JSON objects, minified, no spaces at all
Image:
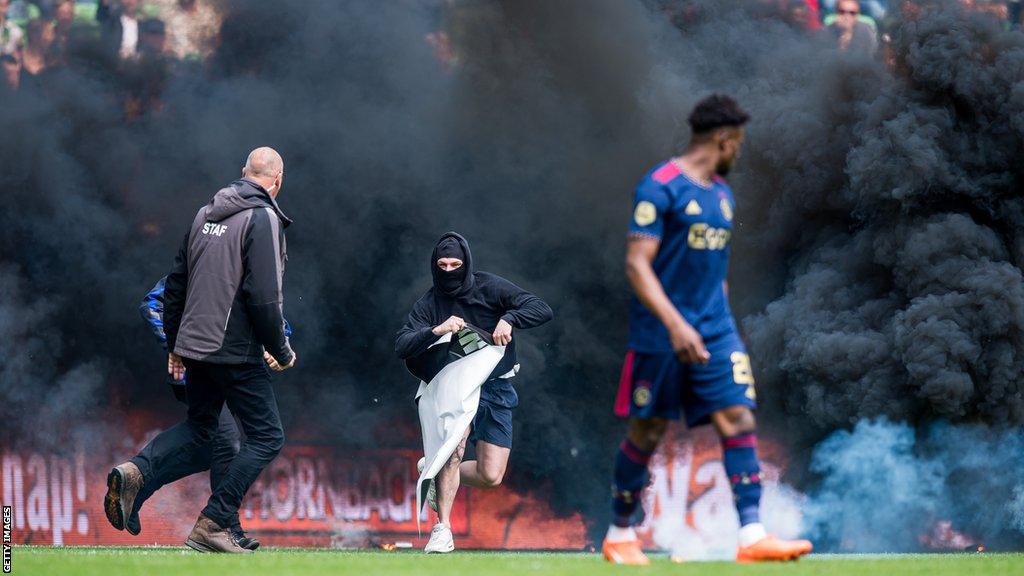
{"x":250,"y":190}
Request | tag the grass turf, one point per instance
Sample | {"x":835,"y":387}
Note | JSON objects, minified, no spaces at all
{"x":284,"y":562}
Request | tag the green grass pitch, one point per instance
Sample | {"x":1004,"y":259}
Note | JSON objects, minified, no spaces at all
{"x":284,"y":562}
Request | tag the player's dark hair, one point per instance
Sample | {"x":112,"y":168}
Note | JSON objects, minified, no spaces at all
{"x":714,"y":112}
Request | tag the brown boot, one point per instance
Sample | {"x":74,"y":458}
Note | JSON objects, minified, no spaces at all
{"x":208,"y":536}
{"x":123,"y":485}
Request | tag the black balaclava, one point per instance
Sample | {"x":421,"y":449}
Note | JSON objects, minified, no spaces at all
{"x":460,"y":280}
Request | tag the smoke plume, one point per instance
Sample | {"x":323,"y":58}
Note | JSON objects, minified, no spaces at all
{"x":902,"y":289}
{"x":916,"y":483}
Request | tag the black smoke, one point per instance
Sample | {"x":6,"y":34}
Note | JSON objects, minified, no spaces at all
{"x":877,"y":243}
{"x":900,"y":255}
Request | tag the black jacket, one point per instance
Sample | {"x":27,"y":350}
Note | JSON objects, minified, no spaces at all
{"x":111,"y":30}
{"x":483,"y":300}
{"x":223,"y":297}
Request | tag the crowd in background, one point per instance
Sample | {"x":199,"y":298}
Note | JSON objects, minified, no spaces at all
{"x":142,"y":39}
{"x":848,"y":25}
{"x":38,"y":36}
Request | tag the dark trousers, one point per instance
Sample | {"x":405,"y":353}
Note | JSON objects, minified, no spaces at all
{"x":160,"y":466}
{"x":247,"y":390}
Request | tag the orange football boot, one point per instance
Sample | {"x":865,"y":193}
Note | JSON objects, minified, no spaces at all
{"x":628,"y":553}
{"x":772,"y":549}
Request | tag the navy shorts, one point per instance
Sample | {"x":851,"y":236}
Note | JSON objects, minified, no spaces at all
{"x":658,"y":385}
{"x":493,"y":421}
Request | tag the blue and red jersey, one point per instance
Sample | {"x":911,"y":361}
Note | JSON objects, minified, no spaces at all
{"x":694,"y":225}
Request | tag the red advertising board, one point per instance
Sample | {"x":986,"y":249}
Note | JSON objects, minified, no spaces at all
{"x":309,"y":496}
{"x":316,"y":495}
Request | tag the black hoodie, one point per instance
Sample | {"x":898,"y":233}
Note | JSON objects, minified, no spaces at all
{"x":482,"y":300}
{"x":222,"y":299}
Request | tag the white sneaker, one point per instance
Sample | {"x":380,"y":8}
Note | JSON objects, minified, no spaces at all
{"x":432,"y":491}
{"x":440,"y":540}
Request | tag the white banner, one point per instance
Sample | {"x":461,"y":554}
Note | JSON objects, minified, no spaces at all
{"x":447,"y":406}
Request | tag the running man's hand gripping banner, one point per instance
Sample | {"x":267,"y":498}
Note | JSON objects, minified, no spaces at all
{"x":451,"y":373}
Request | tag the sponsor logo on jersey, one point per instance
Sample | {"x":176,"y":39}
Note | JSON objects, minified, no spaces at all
{"x":645,"y":213}
{"x":726,"y":210}
{"x":704,"y":237}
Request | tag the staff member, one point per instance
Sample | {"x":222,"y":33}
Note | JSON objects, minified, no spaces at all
{"x":222,"y":310}
{"x":222,"y":450}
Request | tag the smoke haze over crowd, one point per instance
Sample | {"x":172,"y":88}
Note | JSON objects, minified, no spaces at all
{"x":877,"y":251}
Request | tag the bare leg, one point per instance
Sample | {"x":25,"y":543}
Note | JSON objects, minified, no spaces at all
{"x":448,"y":482}
{"x":733,"y":420}
{"x":488,"y":469}
{"x":646,"y":433}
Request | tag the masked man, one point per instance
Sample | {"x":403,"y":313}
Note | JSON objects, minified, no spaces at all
{"x":461,"y":297}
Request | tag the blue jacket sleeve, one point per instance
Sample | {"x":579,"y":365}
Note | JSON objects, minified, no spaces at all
{"x":152,"y":311}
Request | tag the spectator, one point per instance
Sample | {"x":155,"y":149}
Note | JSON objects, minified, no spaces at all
{"x":192,"y":27}
{"x":11,"y":72}
{"x":684,"y":14}
{"x":813,"y":17}
{"x":120,"y":27}
{"x":876,"y":9}
{"x":11,"y":36}
{"x":850,"y":34}
{"x":63,"y":18}
{"x":152,"y":38}
{"x":36,"y":56}
{"x":796,"y":14}
{"x":444,"y":52}
{"x":145,"y":78}
{"x":995,"y":8}
{"x":21,"y":11}
{"x":910,"y":10}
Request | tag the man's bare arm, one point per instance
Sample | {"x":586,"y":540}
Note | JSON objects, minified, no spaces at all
{"x":686,"y":342}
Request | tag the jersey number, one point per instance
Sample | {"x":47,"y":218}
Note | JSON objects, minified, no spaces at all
{"x":741,"y":372}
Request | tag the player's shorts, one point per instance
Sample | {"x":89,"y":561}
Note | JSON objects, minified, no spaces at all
{"x":658,"y":385}
{"x":493,"y":421}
